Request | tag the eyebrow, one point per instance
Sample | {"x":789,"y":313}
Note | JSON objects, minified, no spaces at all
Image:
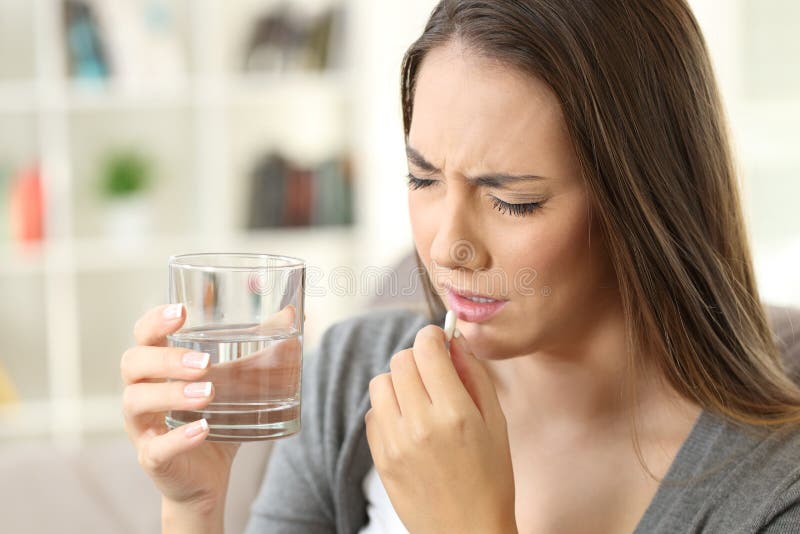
{"x":499,"y":180}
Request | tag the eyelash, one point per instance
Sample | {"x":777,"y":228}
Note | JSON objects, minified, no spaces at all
{"x":517,"y":210}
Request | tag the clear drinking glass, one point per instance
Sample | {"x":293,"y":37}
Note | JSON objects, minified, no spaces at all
{"x":246,"y":311}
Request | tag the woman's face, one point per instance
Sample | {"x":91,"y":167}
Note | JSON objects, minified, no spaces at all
{"x":476,"y":118}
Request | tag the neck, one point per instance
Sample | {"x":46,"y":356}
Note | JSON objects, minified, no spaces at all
{"x":579,"y":387}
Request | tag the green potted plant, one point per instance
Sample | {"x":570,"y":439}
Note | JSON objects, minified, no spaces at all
{"x":125,"y":179}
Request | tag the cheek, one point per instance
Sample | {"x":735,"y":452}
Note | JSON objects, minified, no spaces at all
{"x":423,"y":225}
{"x":558,"y":253}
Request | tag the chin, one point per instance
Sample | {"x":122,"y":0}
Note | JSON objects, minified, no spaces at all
{"x":495,"y":344}
{"x":486,"y":348}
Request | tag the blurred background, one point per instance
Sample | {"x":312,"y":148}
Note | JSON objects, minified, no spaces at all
{"x":131,"y":130}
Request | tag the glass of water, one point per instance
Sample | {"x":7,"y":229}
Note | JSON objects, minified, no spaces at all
{"x":246,"y":312}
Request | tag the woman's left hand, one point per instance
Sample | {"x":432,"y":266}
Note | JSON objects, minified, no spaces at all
{"x":439,"y":440}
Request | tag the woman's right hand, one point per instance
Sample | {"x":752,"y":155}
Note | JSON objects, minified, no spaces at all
{"x":188,"y":471}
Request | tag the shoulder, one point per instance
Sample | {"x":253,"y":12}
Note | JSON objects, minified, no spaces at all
{"x":732,"y":477}
{"x":354,"y":350}
{"x":369,"y":339}
{"x":768,"y":481}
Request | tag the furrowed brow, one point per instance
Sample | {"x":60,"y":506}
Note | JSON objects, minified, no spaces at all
{"x":419,"y":160}
{"x":497,"y":180}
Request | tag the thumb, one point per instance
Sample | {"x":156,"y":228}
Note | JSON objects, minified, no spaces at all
{"x":475,"y":378}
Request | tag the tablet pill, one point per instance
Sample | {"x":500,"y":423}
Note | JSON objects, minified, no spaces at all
{"x":449,"y":324}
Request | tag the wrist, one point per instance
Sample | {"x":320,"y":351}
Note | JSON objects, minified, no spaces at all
{"x":194,"y":518}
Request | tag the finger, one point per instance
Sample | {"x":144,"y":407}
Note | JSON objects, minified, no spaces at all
{"x":412,"y":398}
{"x":382,"y":397}
{"x":280,"y":320}
{"x":149,"y":398}
{"x":156,"y":453}
{"x":153,"y":327}
{"x":437,"y":371}
{"x":375,"y":439}
{"x":475,"y":379}
{"x":145,"y":363}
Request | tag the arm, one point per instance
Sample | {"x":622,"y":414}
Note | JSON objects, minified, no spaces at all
{"x":180,"y":519}
{"x":295,"y":496}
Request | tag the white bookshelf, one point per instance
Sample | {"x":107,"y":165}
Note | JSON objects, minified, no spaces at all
{"x":82,"y":289}
{"x":70,"y":301}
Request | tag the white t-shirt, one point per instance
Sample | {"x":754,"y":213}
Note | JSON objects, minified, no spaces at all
{"x":382,"y":517}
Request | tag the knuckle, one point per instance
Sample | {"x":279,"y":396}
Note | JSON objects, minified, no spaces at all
{"x":150,"y":461}
{"x":124,"y":365}
{"x":128,"y":407}
{"x":456,"y":423}
{"x":393,"y":454}
{"x":421,"y":434}
{"x":139,"y":327}
{"x":376,"y":382}
{"x":400,"y":359}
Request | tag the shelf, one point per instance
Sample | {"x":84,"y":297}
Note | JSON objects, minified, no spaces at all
{"x":87,"y":95}
{"x":107,"y":254}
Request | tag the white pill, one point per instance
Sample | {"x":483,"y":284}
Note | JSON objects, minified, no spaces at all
{"x":449,"y":324}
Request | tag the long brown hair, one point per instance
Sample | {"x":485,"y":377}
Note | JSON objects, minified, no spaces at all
{"x":642,"y":107}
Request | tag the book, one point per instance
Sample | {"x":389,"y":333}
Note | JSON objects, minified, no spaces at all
{"x":86,"y":51}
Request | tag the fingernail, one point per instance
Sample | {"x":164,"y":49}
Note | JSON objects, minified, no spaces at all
{"x":196,"y":428}
{"x":195,"y":360}
{"x":456,"y":333}
{"x":197,"y":389}
{"x":173,"y":311}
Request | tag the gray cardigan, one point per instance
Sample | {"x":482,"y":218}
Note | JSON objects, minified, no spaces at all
{"x":724,"y":479}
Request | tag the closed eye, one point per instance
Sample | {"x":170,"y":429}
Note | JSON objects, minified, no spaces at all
{"x":517,"y":210}
{"x":417,"y":183}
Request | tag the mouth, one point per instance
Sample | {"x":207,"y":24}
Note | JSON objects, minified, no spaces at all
{"x":473,"y":307}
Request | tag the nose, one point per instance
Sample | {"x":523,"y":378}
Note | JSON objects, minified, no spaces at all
{"x":457,"y":243}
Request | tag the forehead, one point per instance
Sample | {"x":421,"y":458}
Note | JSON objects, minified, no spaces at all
{"x":481,"y":112}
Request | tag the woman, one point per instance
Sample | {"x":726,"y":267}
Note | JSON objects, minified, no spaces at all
{"x":568,"y":162}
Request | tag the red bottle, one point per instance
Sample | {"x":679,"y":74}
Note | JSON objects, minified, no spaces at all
{"x":27,"y":205}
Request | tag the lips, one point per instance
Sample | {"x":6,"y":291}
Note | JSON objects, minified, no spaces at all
{"x":471,"y":311}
